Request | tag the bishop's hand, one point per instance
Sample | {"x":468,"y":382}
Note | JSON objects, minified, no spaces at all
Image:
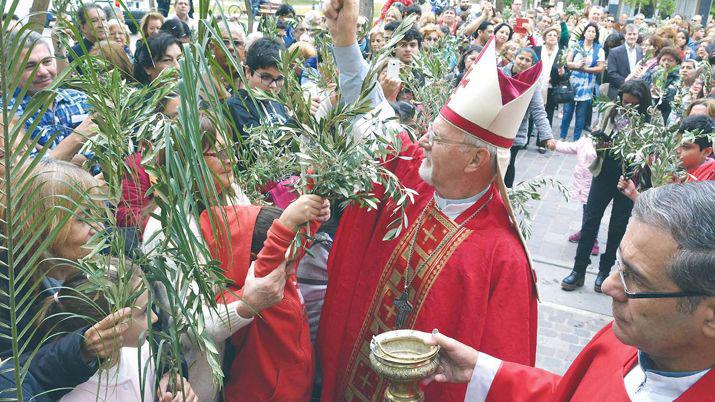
{"x":341,"y":18}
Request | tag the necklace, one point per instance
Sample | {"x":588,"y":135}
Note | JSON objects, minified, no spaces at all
{"x":402,"y":302}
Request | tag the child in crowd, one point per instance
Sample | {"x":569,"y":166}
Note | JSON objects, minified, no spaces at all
{"x":696,"y":157}
{"x":75,"y":305}
{"x":581,"y":178}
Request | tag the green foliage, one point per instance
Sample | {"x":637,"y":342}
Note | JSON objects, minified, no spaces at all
{"x":666,"y":7}
{"x":329,"y":159}
{"x":647,"y":146}
{"x":21,"y":249}
{"x":432,"y":85}
{"x":531,"y":190}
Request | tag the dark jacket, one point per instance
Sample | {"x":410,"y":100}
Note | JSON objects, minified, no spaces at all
{"x":247,"y":112}
{"x":57,"y":363}
{"x":31,"y":390}
{"x":619,"y":68}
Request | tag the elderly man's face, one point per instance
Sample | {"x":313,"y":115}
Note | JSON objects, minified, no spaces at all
{"x":40,"y":59}
{"x":445,"y":156}
{"x":235,"y":42}
{"x":631,"y":37}
{"x":544,"y":23}
{"x":655,"y":326}
{"x":182,"y":8}
{"x":95,"y":27}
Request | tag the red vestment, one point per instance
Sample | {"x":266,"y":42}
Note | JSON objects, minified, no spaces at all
{"x":596,"y":375}
{"x":477,"y":288}
{"x":274,"y":356}
{"x":706,"y":171}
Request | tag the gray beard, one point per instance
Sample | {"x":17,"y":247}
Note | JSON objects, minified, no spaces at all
{"x":426,"y":172}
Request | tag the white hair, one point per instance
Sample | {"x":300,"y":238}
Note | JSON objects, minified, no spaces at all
{"x":479,"y":143}
{"x":25,"y":40}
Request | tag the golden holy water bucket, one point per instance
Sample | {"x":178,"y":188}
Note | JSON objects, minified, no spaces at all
{"x":403,"y":358}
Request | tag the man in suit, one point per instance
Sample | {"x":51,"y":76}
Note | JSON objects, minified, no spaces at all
{"x":622,"y":60}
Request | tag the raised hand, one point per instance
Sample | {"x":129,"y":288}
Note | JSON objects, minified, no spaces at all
{"x":341,"y":18}
{"x":306,"y":208}
{"x":390,"y":87}
{"x":628,"y":188}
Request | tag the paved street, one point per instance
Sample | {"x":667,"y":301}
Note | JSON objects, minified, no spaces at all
{"x":567,"y":320}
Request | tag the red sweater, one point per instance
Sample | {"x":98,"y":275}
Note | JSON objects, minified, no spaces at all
{"x":135,"y":185}
{"x":274,"y":356}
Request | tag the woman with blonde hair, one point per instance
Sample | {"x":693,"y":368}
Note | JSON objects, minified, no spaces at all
{"x":427,"y":18}
{"x":51,"y":209}
{"x":150,"y":24}
{"x":377,"y":40}
{"x":118,"y":32}
{"x":393,"y":14}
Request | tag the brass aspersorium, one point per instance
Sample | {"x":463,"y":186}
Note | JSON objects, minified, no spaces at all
{"x":403,"y":358}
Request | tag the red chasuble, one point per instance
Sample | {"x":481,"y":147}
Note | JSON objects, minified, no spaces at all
{"x":474,"y":284}
{"x":274,"y":356}
{"x":706,"y":171}
{"x":596,"y":375}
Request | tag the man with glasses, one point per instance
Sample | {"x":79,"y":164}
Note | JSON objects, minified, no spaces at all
{"x":234,"y":42}
{"x":66,"y":124}
{"x":661,"y":343}
{"x":262,"y":73}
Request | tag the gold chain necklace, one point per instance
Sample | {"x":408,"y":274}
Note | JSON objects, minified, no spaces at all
{"x":402,"y":302}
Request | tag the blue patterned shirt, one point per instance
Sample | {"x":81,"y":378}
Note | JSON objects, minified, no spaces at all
{"x":69,"y":110}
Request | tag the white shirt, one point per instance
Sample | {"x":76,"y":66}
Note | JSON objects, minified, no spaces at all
{"x":547,"y":62}
{"x":641,"y":385}
{"x":652,"y":386}
{"x":454,"y":208}
{"x":121,"y":382}
{"x":632,"y":57}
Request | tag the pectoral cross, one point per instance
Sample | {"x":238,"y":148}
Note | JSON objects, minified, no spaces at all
{"x":404,"y":308}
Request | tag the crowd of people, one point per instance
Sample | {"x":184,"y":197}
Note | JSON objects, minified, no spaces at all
{"x":296,"y":325}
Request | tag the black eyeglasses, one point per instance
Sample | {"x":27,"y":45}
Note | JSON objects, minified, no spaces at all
{"x":268,"y":80}
{"x":651,"y":295}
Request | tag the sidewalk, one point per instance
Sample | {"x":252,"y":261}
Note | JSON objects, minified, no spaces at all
{"x":567,"y":320}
